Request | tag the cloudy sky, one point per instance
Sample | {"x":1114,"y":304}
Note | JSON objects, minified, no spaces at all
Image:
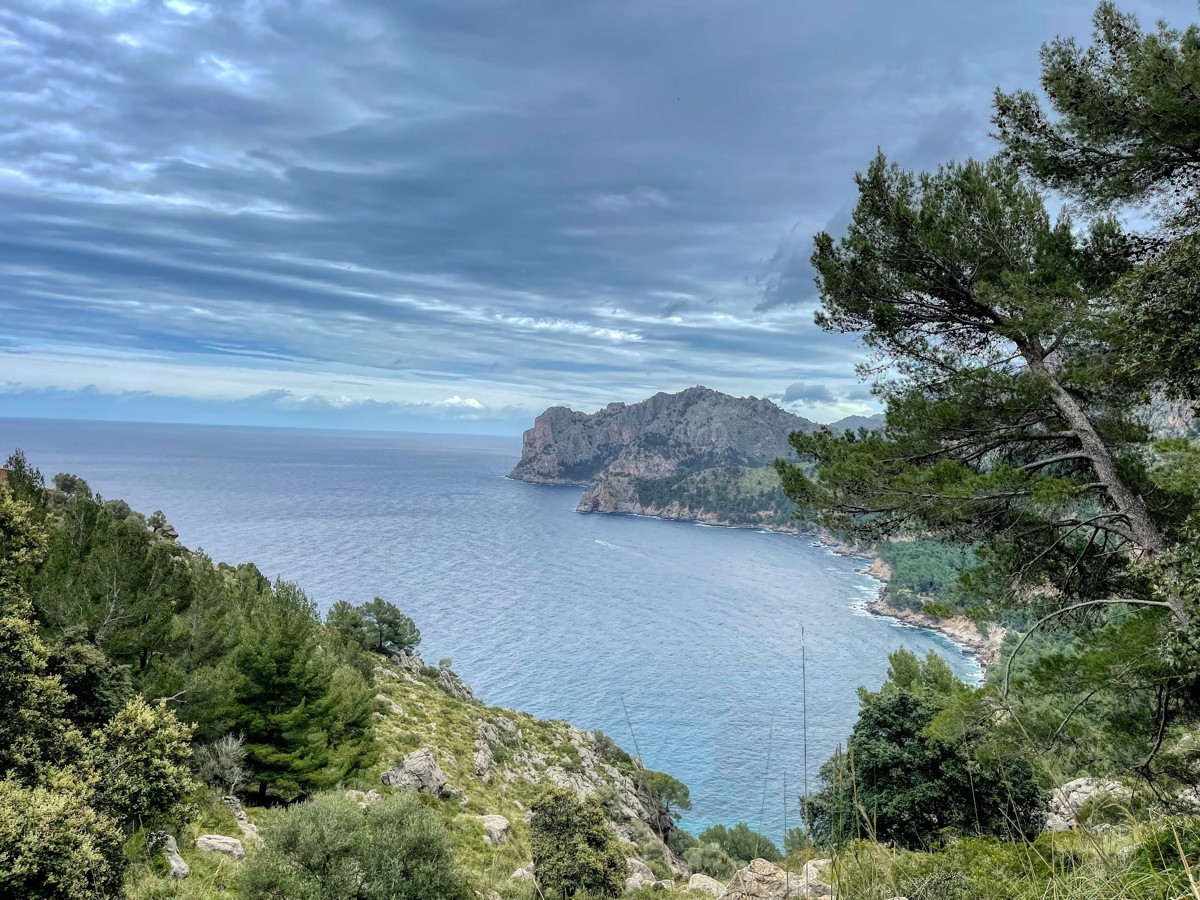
{"x":449,"y":215}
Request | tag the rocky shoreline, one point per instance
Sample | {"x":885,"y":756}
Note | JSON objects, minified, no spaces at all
{"x":964,"y":633}
{"x":983,"y":649}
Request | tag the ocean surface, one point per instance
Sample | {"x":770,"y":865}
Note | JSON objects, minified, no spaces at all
{"x":694,"y":630}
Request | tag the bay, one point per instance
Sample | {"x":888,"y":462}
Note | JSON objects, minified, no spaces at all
{"x":681,"y":641}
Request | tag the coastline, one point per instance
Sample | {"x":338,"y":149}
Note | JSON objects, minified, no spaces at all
{"x":982,"y":649}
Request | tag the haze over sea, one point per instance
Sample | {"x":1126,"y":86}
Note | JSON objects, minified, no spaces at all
{"x":697,"y":629}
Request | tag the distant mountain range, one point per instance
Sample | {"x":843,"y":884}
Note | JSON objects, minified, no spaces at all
{"x":698,"y":454}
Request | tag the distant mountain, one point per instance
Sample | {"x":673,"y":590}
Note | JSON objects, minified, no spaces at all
{"x":664,"y":436}
{"x":698,"y":454}
{"x":853,"y":423}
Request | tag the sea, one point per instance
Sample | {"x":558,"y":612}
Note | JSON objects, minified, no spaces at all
{"x":729,"y":658}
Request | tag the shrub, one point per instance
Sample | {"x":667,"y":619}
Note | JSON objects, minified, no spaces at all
{"x":54,"y":845}
{"x":741,"y":843}
{"x":709,"y":859}
{"x":574,"y":847}
{"x":141,"y":759}
{"x":328,"y":847}
{"x":221,"y":764}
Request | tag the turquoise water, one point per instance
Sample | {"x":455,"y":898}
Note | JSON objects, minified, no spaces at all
{"x":697,"y":630}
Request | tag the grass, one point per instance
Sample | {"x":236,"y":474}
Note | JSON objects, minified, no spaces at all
{"x":1136,"y":861}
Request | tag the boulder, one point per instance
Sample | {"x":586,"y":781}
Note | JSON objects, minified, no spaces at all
{"x":219,"y":843}
{"x":704,"y":885}
{"x":637,"y":867}
{"x":639,"y":875}
{"x":762,"y":880}
{"x":176,"y":864}
{"x":495,"y":829}
{"x":245,"y":826}
{"x":419,"y":772}
{"x":525,"y":873}
{"x":1067,"y":800}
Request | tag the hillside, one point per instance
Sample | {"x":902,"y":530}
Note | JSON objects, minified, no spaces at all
{"x":698,"y":454}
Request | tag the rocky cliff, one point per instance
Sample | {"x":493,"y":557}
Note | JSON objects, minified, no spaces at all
{"x":663,"y":436}
{"x":698,"y":455}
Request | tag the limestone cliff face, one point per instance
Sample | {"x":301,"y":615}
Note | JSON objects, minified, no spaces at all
{"x":666,"y":435}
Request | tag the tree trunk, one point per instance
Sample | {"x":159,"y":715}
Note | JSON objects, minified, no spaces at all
{"x":1147,"y":538}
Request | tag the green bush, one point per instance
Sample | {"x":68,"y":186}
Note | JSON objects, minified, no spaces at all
{"x":54,"y":846}
{"x":574,"y":847}
{"x":709,"y":859}
{"x":329,"y":848}
{"x":741,"y":843}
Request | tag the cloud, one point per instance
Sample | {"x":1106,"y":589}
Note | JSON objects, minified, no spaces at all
{"x":638,"y":198}
{"x":207,"y":200}
{"x":808,"y":393}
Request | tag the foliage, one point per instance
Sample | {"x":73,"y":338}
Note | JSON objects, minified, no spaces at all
{"x":54,"y":845}
{"x":740,"y":843}
{"x":96,"y":687}
{"x":734,"y":494}
{"x":328,"y":847}
{"x":669,"y":791}
{"x":912,"y":770}
{"x":1123,"y":128}
{"x":389,"y":629}
{"x":710,"y":858}
{"x":140,"y":760}
{"x":574,"y":847}
{"x":304,"y":715}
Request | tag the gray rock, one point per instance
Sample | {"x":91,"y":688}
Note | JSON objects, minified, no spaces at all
{"x":637,"y":867}
{"x":419,"y":772}
{"x":635,"y":883}
{"x":525,"y":873}
{"x":1067,"y":800}
{"x":455,"y":686}
{"x":762,"y":880}
{"x":176,"y":864}
{"x":245,"y":826}
{"x":370,"y":798}
{"x":496,"y":829}
{"x":219,"y":843}
{"x":706,"y":885}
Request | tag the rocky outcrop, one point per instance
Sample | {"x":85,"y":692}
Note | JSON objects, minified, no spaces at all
{"x":703,"y":884}
{"x":664,"y":435}
{"x":525,"y":873}
{"x":985,"y":647}
{"x":176,"y":865}
{"x":219,"y":843}
{"x":762,"y":880}
{"x":245,"y":826}
{"x":454,"y":686}
{"x":419,"y":772}
{"x":496,"y":829}
{"x":1067,"y":800}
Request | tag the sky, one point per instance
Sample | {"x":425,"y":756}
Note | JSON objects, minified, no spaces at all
{"x":450,"y":215}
